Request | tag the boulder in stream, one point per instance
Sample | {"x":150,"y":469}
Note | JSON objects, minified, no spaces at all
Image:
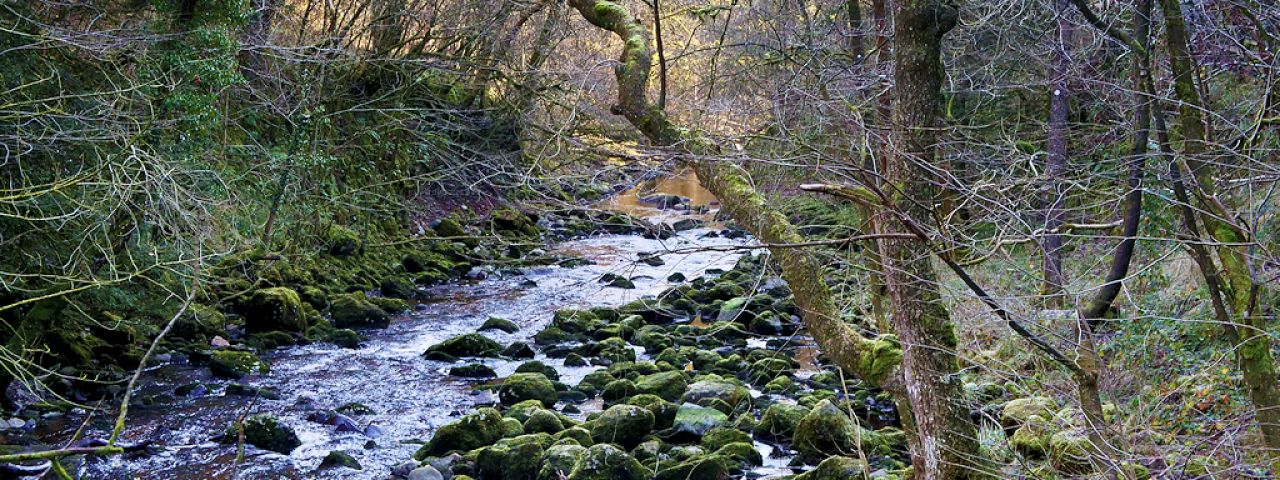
{"x":607,"y":462}
{"x":337,"y":459}
{"x":234,"y":364}
{"x":355,"y":310}
{"x":625,"y":425}
{"x":467,"y":345}
{"x":484,"y":427}
{"x":268,"y":433}
{"x":527,"y":386}
{"x":501,"y":324}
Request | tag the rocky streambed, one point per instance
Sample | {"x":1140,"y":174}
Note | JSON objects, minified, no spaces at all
{"x":671,"y":358}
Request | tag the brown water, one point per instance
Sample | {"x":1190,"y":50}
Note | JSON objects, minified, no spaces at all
{"x":683,"y":183}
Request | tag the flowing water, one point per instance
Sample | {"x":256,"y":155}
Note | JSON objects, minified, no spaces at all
{"x":410,"y":396}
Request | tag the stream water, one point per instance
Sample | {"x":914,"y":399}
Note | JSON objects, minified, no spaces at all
{"x":410,"y":396}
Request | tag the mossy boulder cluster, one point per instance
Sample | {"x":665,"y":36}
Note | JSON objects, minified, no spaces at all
{"x":684,"y":409}
{"x":698,"y":400}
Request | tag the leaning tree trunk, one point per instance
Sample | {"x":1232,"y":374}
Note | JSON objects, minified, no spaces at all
{"x":1240,"y":290}
{"x":944,"y":444}
{"x":874,"y":360}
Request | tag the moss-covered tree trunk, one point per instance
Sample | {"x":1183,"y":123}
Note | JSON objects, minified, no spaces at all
{"x":944,"y":444}
{"x":874,"y":360}
{"x":1239,"y":288}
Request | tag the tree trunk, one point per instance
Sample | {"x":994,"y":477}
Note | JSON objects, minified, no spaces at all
{"x":853,"y":9}
{"x":1056,"y":161}
{"x":1240,"y":290}
{"x":944,"y":444}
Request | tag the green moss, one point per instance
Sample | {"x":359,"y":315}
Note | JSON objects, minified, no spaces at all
{"x":520,"y":387}
{"x":266,"y":432}
{"x":484,"y":427}
{"x":235,"y":364}
{"x":625,"y":425}
{"x":780,"y":421}
{"x":607,"y":462}
{"x":355,"y":310}
{"x":341,"y":241}
{"x":274,"y":309}
{"x":467,"y":345}
{"x":337,"y":459}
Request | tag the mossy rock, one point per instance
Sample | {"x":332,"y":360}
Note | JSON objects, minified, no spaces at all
{"x":1032,"y":438}
{"x":354,"y":408}
{"x":270,"y":340}
{"x":618,"y":390}
{"x":718,"y":437}
{"x":392,"y":306}
{"x":836,"y":468}
{"x":274,"y":309}
{"x":575,"y":360}
{"x":527,"y":386}
{"x":467,"y":345}
{"x":266,"y":432}
{"x":667,"y":385}
{"x":473,"y":370}
{"x":593,"y":383}
{"x":828,"y":430}
{"x":314,"y":296}
{"x":559,"y":460}
{"x":625,"y":425}
{"x":341,"y":241}
{"x":607,"y":462}
{"x":518,"y":461}
{"x":344,"y":337}
{"x":744,"y":453}
{"x":201,"y":323}
{"x":731,"y":394}
{"x":448,"y":227}
{"x":484,"y":427}
{"x":518,"y":350}
{"x":697,"y":420}
{"x":337,"y":459}
{"x":512,"y":428}
{"x":355,"y":310}
{"x":535,"y":366}
{"x":1069,"y":452}
{"x":543,"y":421}
{"x":702,"y":467}
{"x":765,"y":370}
{"x":780,"y":385}
{"x":578,"y":435}
{"x":500,"y":324}
{"x":664,"y":412}
{"x":398,"y":287}
{"x":1017,"y":411}
{"x":234,"y":364}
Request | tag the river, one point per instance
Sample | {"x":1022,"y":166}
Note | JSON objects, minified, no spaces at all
{"x":409,"y":396}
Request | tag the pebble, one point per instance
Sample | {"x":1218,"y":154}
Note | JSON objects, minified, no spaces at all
{"x":219,"y":342}
{"x":16,"y":423}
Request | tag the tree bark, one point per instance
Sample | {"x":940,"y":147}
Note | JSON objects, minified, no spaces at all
{"x":1239,"y":288}
{"x":1056,"y":161}
{"x":944,"y":444}
{"x":853,"y":9}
